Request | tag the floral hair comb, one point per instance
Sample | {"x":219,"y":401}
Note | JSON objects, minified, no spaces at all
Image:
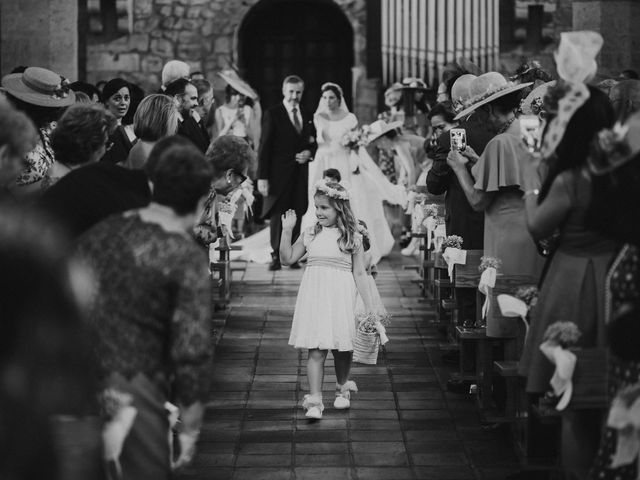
{"x":328,"y":189}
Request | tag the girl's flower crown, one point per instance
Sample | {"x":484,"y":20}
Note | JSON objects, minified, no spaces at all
{"x":329,"y":190}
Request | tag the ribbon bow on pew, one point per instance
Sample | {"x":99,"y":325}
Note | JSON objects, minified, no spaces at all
{"x":511,"y":306}
{"x":565,"y":362}
{"x":487,"y":281}
{"x":452,"y":256}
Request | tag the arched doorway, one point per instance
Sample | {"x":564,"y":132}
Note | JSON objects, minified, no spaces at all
{"x":309,"y":38}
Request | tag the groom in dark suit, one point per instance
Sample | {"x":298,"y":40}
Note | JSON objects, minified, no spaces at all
{"x":287,"y":144}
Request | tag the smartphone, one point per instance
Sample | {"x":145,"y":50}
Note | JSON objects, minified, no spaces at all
{"x":458,"y":138}
{"x":531,"y":132}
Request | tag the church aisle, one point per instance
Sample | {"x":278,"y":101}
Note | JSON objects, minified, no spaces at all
{"x":403,"y":424}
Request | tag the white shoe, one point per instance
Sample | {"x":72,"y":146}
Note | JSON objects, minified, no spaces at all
{"x":313,"y":405}
{"x":343,"y":395}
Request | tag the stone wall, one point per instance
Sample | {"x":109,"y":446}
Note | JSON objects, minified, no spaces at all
{"x":39,"y":33}
{"x":203,"y":33}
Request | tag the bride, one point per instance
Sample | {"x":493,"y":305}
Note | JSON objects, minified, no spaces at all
{"x":366,"y":183}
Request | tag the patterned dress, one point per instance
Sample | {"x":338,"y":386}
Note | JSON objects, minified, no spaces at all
{"x":39,"y":160}
{"x":151,"y":316}
{"x":623,"y":286}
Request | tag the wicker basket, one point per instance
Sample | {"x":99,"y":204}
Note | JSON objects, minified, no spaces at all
{"x":365,"y":347}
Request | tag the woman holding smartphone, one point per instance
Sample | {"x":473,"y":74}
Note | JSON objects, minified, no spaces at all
{"x":496,"y":184}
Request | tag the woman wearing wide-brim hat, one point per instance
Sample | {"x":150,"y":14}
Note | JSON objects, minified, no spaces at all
{"x":496,"y":184}
{"x":240,"y":114}
{"x":42,"y":95}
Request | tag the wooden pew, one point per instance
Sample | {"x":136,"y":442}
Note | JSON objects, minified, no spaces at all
{"x":222,"y":267}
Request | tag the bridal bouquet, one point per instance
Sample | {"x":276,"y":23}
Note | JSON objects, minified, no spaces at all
{"x":489,"y":262}
{"x":431,"y":210}
{"x":528,"y":294}
{"x":354,"y":138}
{"x":119,"y":413}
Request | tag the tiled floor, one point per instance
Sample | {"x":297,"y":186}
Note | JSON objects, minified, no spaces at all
{"x":403,"y":424}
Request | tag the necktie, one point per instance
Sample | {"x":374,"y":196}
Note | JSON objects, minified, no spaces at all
{"x":296,"y":120}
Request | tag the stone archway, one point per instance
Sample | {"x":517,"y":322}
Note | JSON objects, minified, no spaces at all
{"x":309,"y":38}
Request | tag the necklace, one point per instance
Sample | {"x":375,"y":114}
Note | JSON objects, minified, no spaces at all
{"x":506,"y":126}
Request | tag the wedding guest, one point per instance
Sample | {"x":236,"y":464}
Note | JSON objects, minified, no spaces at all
{"x":625,"y":97}
{"x":172,"y":71}
{"x":615,"y":174}
{"x":205,"y":110}
{"x":87,"y":88}
{"x":42,"y":95}
{"x":153,"y":337}
{"x":186,"y":95}
{"x":496,"y":184}
{"x":18,"y":136}
{"x":47,"y":386}
{"x":156,"y":117}
{"x":80,"y":137}
{"x":117,"y":99}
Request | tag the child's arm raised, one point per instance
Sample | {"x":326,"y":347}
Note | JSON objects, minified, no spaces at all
{"x":290,"y":253}
{"x":360,"y":277}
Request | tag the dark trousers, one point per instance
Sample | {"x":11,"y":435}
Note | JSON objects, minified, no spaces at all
{"x":296,"y":198}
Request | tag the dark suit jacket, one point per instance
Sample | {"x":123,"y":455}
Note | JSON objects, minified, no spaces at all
{"x":460,"y":218}
{"x":279,"y":144}
{"x":192,"y":130}
{"x":120,"y":146}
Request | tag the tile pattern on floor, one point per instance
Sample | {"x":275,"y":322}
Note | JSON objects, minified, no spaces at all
{"x":403,"y":424}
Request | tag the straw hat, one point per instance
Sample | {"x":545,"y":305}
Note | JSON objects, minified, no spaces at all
{"x":378,"y":128}
{"x":39,"y":86}
{"x":535,"y":97}
{"x":485,"y":89}
{"x":239,"y":85}
{"x":460,"y":90}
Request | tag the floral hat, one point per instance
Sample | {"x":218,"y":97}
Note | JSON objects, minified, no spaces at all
{"x":460,"y":90}
{"x":485,"y":89}
{"x":239,"y":85}
{"x":533,"y":103}
{"x":576,"y":65}
{"x":380,"y":127}
{"x":616,"y":146}
{"x":39,"y":86}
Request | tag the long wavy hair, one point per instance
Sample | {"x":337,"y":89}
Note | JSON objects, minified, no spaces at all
{"x":345,"y":221}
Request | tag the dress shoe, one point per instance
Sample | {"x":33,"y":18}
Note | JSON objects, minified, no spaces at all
{"x":462,"y":387}
{"x":294,"y":266}
{"x":275,"y":265}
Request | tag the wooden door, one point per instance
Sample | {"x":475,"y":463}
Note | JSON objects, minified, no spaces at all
{"x":309,"y":38}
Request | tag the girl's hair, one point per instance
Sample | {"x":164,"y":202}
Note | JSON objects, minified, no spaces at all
{"x":573,"y":150}
{"x":346,"y":220}
{"x":333,"y":89}
{"x":156,"y":117}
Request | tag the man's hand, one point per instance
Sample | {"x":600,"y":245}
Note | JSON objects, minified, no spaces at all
{"x":303,"y":157}
{"x":471,"y":154}
{"x":263,"y":187}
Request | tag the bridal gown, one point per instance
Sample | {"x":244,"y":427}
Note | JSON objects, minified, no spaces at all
{"x":367,"y":185}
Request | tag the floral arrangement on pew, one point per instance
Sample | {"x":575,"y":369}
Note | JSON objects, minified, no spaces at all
{"x":370,"y":334}
{"x":557,"y":339}
{"x":624,"y":416}
{"x":519,"y":304}
{"x":488,"y":267}
{"x":453,"y":253}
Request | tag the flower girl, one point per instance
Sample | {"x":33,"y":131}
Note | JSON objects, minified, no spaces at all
{"x":324,"y":316}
